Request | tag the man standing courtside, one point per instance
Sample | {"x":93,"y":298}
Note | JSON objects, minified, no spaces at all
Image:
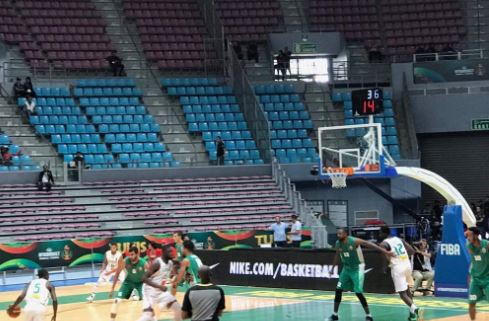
{"x":279,"y":235}
{"x":295,"y":231}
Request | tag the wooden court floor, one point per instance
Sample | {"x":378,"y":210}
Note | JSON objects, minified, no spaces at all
{"x":260,"y":304}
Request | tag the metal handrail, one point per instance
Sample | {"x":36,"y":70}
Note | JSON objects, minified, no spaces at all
{"x":455,"y":55}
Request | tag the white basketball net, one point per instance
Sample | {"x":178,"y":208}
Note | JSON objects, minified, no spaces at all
{"x":338,"y":178}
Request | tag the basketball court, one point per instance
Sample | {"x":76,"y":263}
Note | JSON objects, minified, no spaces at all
{"x":260,"y":304}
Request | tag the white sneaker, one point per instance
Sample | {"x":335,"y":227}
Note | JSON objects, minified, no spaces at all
{"x":90,"y":298}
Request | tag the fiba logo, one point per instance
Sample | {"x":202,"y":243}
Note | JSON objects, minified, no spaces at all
{"x":450,"y":249}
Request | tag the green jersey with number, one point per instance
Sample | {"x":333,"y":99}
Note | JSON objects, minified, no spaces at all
{"x":194,"y":266}
{"x":135,"y":271}
{"x":351,"y":255}
{"x":479,"y":255}
{"x":179,"y":248}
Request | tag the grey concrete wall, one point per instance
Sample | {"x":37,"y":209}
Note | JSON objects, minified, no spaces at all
{"x":329,"y":43}
{"x":18,"y":178}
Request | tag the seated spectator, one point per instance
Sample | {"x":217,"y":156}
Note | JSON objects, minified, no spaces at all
{"x":6,"y":156}
{"x":252,"y":52}
{"x":18,"y":89}
{"x":45,"y":180}
{"x":115,"y":63}
{"x":422,"y":270}
{"x":29,"y":88}
{"x":449,"y":53}
{"x":374,"y":55}
{"x":239,"y":53}
{"x":29,"y":106}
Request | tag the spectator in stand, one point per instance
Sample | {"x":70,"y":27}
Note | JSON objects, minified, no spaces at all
{"x":431,"y":50}
{"x":18,"y":89}
{"x":211,"y":245}
{"x":437,"y":213}
{"x":422,"y":270}
{"x":287,"y":57}
{"x":220,"y":150}
{"x":29,"y":88}
{"x":45,"y":180}
{"x":238,"y":51}
{"x":374,"y":54}
{"x":295,"y":231}
{"x":115,"y":63}
{"x":280,"y":66}
{"x":204,"y":301}
{"x":279,"y":234}
{"x":479,"y":217}
{"x":7,"y":155}
{"x":29,"y":106}
{"x":252,"y":52}
{"x":449,"y":53}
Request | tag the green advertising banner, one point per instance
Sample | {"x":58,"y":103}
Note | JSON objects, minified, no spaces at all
{"x":71,"y":253}
{"x":451,"y":70}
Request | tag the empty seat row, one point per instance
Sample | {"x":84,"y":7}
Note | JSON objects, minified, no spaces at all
{"x":386,"y":121}
{"x":229,"y":135}
{"x":215,"y":126}
{"x":172,"y":163}
{"x":300,"y":152}
{"x":125,"y":158}
{"x":4,"y":140}
{"x":286,"y":115}
{"x":106,"y":82}
{"x":360,"y":132}
{"x":112,"y":101}
{"x":72,"y":38}
{"x":53,"y":120}
{"x":388,"y":112}
{"x":211,"y":108}
{"x":116,"y":110}
{"x":61,"y":129}
{"x":15,"y":168}
{"x":177,"y":82}
{"x":273,"y":89}
{"x":90,"y":159}
{"x":232,"y":144}
{"x":214,"y":117}
{"x":243,"y":161}
{"x":279,"y":98}
{"x":58,"y":110}
{"x":82,"y":148}
{"x":288,"y":133}
{"x":122,"y":119}
{"x":108,"y":91}
{"x":52,"y":92}
{"x":49,"y":101}
{"x":292,"y":143}
{"x":298,"y":106}
{"x":194,"y":100}
{"x":201,"y":90}
{"x":74,"y":46}
{"x":75,"y":139}
{"x":40,"y":21}
{"x":292,"y":124}
{"x":118,"y":148}
{"x":238,"y":155}
{"x":131,"y":138}
{"x":90,"y":30}
{"x":129,"y":128}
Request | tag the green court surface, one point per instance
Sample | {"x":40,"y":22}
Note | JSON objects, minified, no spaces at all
{"x":266,"y":304}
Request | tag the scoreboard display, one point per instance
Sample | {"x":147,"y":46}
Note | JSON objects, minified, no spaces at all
{"x":367,"y":102}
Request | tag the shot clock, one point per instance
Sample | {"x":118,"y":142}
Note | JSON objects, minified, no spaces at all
{"x":367,"y":102}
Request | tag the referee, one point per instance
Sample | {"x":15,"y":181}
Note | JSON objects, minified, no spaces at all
{"x":204,"y":301}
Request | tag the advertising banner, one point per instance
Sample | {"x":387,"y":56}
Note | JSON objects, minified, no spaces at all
{"x":450,"y":70}
{"x":71,"y":253}
{"x":289,"y":268}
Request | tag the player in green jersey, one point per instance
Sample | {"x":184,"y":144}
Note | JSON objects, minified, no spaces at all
{"x":479,"y":268}
{"x":189,"y":267}
{"x":135,"y":269}
{"x":178,"y":239}
{"x":352,"y":273}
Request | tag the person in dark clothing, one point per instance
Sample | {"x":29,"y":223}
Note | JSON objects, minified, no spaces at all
{"x":18,"y":89}
{"x":45,"y":180}
{"x":204,"y":301}
{"x":220,"y":150}
{"x":238,"y":51}
{"x":287,"y":57}
{"x":252,"y":52}
{"x":281,"y":64}
{"x":29,"y":88}
{"x":116,"y":64}
{"x":437,"y":213}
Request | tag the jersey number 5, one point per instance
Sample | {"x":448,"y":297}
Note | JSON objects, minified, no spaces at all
{"x":37,"y":288}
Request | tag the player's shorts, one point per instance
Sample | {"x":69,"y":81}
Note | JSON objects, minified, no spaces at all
{"x":34,"y":312}
{"x":153,"y":297}
{"x":351,"y":279}
{"x":402,"y":277}
{"x":477,"y":289}
{"x":126,"y":289}
{"x":107,"y":278}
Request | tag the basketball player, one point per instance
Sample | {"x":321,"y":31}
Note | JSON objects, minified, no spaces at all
{"x":352,"y":273}
{"x":112,"y":262}
{"x":189,"y":267}
{"x":155,"y":288}
{"x":479,"y":268}
{"x":401,"y":270}
{"x":134,"y":271}
{"x":178,"y":238}
{"x":36,"y":295}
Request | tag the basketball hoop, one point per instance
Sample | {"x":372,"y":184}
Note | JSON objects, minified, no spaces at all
{"x":338,"y":176}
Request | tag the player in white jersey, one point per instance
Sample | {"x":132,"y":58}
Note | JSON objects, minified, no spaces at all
{"x":401,"y":269}
{"x":112,"y":262}
{"x":36,"y":295}
{"x":156,"y":294}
